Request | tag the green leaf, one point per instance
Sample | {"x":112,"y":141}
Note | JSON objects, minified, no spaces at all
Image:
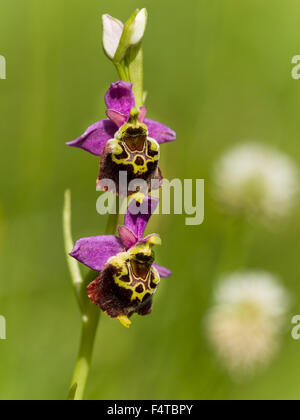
{"x":73,"y":265}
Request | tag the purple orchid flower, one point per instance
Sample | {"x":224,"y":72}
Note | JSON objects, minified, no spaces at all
{"x":128,"y":276}
{"x":119,"y":101}
{"x":127,"y":140}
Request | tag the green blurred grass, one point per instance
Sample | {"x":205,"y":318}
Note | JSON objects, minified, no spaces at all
{"x":217,"y":72}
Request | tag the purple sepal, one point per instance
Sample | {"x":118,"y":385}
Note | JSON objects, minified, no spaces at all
{"x":137,"y":223}
{"x":160,"y":132}
{"x":163,"y":272}
{"x":120,"y":97}
{"x":95,"y":251}
{"x":95,"y":137}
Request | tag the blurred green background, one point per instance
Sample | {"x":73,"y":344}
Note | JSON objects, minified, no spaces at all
{"x":218,"y":72}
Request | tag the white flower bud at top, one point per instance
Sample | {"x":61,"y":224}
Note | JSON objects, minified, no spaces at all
{"x":112,"y":32}
{"x":139,"y":27}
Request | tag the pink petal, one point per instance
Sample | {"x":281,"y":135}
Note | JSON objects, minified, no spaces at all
{"x":116,"y":117}
{"x":127,"y":237}
{"x":143,"y":112}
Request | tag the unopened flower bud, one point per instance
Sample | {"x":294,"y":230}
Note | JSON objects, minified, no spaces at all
{"x":139,"y":27}
{"x":112,"y":32}
{"x":118,"y":38}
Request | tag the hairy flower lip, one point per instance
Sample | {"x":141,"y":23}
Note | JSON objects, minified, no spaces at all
{"x":119,"y":101}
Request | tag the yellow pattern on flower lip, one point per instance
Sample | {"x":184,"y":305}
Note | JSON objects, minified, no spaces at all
{"x":132,"y":146}
{"x":135,"y":271}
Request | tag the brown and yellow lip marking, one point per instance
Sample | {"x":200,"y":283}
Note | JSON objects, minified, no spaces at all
{"x":134,"y":271}
{"x":139,"y":160}
{"x":132,"y":146}
{"x":133,"y":152}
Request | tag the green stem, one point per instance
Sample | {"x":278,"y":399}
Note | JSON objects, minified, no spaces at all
{"x":131,"y":70}
{"x":121,"y":71}
{"x":90,"y":312}
{"x":134,"y":62}
{"x":90,"y":321}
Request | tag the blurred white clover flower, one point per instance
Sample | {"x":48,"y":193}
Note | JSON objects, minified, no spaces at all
{"x":256,"y":179}
{"x":245,"y":323}
{"x":113,"y":29}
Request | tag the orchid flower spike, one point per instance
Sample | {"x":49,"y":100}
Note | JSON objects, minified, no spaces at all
{"x":126,"y":141}
{"x":128,"y":276}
